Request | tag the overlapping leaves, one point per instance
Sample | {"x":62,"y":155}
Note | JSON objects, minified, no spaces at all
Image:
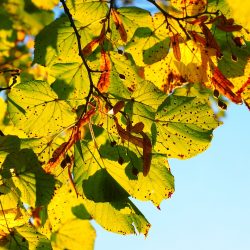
{"x":112,"y":115}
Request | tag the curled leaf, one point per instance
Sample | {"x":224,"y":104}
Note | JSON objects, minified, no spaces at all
{"x":210,"y":40}
{"x":104,"y":81}
{"x":147,"y":153}
{"x":118,"y":107}
{"x":119,"y":25}
{"x":224,"y":86}
{"x":176,"y":46}
{"x":90,"y":47}
{"x":76,"y":134}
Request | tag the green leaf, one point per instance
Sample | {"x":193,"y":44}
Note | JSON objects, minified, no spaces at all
{"x":34,"y":107}
{"x":132,"y":18}
{"x":27,"y":16}
{"x":8,"y":144}
{"x":101,"y":187}
{"x":74,"y":234}
{"x":68,"y":223}
{"x":82,"y":10}
{"x":146,"y":47}
{"x":26,"y":237}
{"x":22,"y":171}
{"x":46,"y":5}
{"x":87,"y":166}
{"x":65,"y":206}
{"x":156,"y":186}
{"x":121,"y":217}
{"x":8,"y":35}
{"x":184,"y":126}
{"x":60,"y":46}
{"x":71,"y":84}
{"x":144,"y":103}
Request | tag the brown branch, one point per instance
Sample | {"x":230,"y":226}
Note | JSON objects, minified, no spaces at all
{"x":89,"y":70}
{"x":168,"y":15}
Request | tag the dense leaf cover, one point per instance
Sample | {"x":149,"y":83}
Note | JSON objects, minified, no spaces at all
{"x":90,"y":117}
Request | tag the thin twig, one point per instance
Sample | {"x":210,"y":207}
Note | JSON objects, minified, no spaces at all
{"x":92,"y":87}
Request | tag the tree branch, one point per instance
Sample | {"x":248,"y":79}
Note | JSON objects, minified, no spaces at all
{"x":89,"y":70}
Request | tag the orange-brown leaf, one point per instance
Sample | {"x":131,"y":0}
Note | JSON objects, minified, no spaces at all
{"x":198,"y":38}
{"x":224,"y":86}
{"x":90,"y":47}
{"x":176,"y":46}
{"x":198,"y":20}
{"x":147,"y":153}
{"x":210,"y":40}
{"x":118,"y":107}
{"x":104,"y":81}
{"x":127,"y":136}
{"x":229,"y":28}
{"x":119,"y":25}
{"x":76,"y":134}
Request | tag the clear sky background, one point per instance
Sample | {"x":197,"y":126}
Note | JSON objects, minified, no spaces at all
{"x":210,"y":209}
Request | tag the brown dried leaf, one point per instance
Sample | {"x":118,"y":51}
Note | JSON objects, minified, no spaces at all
{"x":104,"y":81}
{"x":118,"y":107}
{"x":119,"y":25}
{"x":176,"y":46}
{"x":147,"y":153}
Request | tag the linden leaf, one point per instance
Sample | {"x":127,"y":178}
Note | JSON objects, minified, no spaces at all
{"x":127,"y":217}
{"x":184,"y":126}
{"x":146,"y":47}
{"x":8,"y":144}
{"x":82,"y":10}
{"x":10,"y":214}
{"x":70,"y":84}
{"x":189,"y":7}
{"x":26,"y":237}
{"x":74,"y":234}
{"x":34,"y":107}
{"x":123,"y":216}
{"x":156,"y":186}
{"x":60,"y":46}
{"x":22,"y":171}
{"x":144,"y":102}
{"x":170,"y":73}
{"x":64,"y":207}
{"x":46,"y":5}
{"x":125,"y":22}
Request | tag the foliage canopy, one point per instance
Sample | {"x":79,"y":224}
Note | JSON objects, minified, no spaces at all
{"x":90,"y":116}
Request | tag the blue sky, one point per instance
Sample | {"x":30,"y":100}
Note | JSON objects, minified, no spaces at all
{"x":210,"y":208}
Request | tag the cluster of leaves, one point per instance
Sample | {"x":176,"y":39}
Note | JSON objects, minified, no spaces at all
{"x":112,"y":93}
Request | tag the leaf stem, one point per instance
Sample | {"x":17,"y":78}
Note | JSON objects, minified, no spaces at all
{"x":92,"y":87}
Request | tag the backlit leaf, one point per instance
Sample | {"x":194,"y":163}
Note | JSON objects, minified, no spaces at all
{"x":35,"y":108}
{"x":74,"y":234}
{"x":22,"y":171}
{"x":184,"y":126}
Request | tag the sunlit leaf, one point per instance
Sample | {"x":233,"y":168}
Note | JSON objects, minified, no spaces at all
{"x":35,"y":108}
{"x":184,"y":126}
{"x":61,"y":44}
{"x":25,"y":237}
{"x":74,"y":234}
{"x":46,"y":5}
{"x":128,"y":218}
{"x":130,"y":19}
{"x":22,"y":171}
{"x":71,"y":84}
{"x":82,"y":10}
